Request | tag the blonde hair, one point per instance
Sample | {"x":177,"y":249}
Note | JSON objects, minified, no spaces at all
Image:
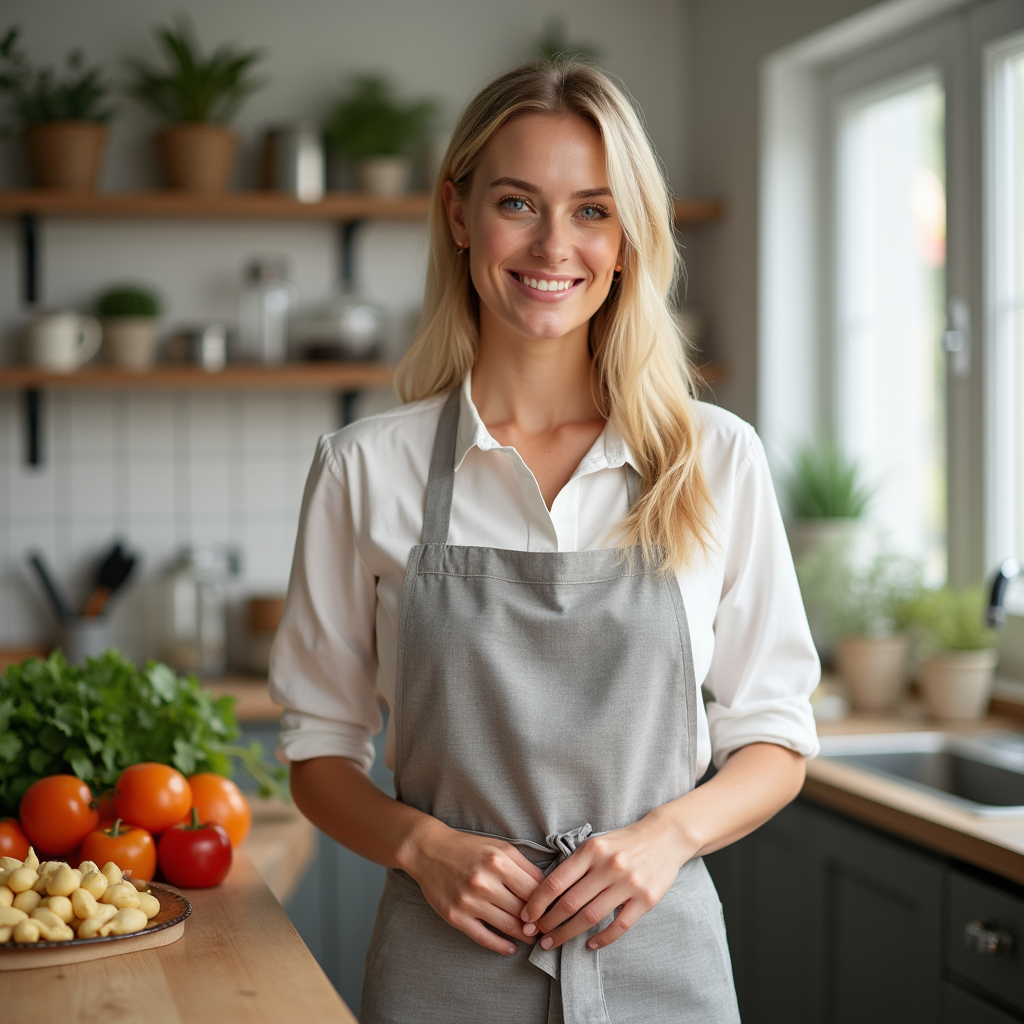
{"x":638,"y":348}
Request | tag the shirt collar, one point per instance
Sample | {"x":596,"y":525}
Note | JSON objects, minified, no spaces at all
{"x":609,"y":451}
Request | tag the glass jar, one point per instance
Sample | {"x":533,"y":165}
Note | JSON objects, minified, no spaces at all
{"x":266,"y":302}
{"x":192,"y":625}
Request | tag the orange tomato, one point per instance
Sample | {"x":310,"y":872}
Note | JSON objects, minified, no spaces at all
{"x":219,"y":800}
{"x":130,"y":848}
{"x":57,"y":813}
{"x":152,"y":796}
{"x":13,"y":841}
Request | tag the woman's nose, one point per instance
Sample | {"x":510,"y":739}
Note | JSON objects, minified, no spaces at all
{"x":552,"y":242}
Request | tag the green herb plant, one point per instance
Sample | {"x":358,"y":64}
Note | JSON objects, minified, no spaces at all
{"x":96,"y":720}
{"x":194,"y":88}
{"x":851,"y":596}
{"x":38,"y":95}
{"x":952,"y":620}
{"x":371,"y":121}
{"x":826,"y":484}
{"x":128,"y":300}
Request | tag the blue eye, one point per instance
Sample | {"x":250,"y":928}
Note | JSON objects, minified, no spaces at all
{"x":514,"y":204}
{"x":593,"y":212}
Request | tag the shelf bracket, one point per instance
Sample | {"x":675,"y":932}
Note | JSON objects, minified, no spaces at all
{"x":349,"y":230}
{"x":32,"y":399}
{"x":29,"y":225}
{"x":347,"y":406}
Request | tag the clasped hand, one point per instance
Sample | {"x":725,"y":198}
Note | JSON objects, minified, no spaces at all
{"x":477,"y":884}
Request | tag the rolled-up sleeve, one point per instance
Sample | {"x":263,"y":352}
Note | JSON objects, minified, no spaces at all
{"x":323,"y":663}
{"x":764,"y":666}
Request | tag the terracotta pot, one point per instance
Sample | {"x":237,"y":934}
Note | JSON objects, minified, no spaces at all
{"x":65,"y":154}
{"x":958,"y":684}
{"x":384,"y":175}
{"x":130,"y":341}
{"x":197,"y":157}
{"x":874,"y":669}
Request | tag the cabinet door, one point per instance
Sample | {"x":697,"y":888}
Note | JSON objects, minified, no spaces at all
{"x":879,"y":920}
{"x":764,"y":882}
{"x":960,"y":1007}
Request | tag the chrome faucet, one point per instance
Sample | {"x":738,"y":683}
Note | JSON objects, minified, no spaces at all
{"x":996,"y":614}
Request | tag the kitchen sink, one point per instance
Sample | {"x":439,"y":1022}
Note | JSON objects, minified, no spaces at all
{"x":981,"y":773}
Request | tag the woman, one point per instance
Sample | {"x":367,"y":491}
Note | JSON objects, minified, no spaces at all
{"x":537,"y":562}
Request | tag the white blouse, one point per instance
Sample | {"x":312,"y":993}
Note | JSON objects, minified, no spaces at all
{"x":362,"y":512}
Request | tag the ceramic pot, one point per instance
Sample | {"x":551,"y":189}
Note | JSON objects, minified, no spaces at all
{"x":62,"y":342}
{"x":874,"y":669}
{"x":130,"y":341}
{"x":384,"y":175}
{"x":197,"y":157}
{"x":809,"y":534}
{"x":958,"y":684}
{"x":65,"y":154}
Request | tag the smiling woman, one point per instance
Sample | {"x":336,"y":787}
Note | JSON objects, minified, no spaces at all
{"x":538,"y":563}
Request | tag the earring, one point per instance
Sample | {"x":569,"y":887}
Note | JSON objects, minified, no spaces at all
{"x":618,"y":272}
{"x":460,"y":249}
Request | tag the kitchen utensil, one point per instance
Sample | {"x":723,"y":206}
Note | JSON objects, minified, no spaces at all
{"x":57,"y":602}
{"x":266,"y":301}
{"x":293,"y":160}
{"x":62,"y":342}
{"x":168,"y":926}
{"x":203,"y":346}
{"x":112,"y":573}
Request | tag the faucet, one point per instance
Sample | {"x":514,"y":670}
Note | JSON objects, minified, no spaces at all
{"x":996,"y":614}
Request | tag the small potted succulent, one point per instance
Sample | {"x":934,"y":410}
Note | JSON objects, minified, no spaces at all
{"x":377,"y":131}
{"x":957,"y":652}
{"x":62,"y":119}
{"x":197,"y":96}
{"x":825,"y":494}
{"x":129,"y":315}
{"x":864,"y":605}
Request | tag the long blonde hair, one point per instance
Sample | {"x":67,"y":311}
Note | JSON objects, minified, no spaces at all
{"x":637,"y":345}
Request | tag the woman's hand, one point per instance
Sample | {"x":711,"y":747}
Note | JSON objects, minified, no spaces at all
{"x":632,"y":868}
{"x":472,"y":881}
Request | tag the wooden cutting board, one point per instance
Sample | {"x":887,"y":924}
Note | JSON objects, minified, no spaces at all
{"x":166,"y":927}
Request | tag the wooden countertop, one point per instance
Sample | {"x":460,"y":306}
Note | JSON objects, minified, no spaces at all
{"x":997,"y":845}
{"x":240,"y":960}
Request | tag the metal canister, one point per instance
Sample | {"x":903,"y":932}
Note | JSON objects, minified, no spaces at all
{"x":293,"y":160}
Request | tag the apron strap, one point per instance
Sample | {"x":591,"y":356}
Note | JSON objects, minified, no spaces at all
{"x":633,"y":482}
{"x":442,"y":473}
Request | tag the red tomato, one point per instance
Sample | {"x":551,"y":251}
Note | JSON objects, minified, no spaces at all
{"x":13,"y":841}
{"x":152,"y":796}
{"x":218,"y":799}
{"x":195,"y":856}
{"x":57,"y":813}
{"x":105,"y":806}
{"x":130,"y":848}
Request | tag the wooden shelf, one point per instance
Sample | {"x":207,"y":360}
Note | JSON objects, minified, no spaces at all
{"x":239,"y":376}
{"x":337,"y":206}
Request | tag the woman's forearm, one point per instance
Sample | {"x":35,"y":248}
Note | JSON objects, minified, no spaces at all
{"x":343,"y":801}
{"x":753,"y":785}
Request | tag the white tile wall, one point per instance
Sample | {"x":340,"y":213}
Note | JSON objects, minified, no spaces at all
{"x":159,"y":471}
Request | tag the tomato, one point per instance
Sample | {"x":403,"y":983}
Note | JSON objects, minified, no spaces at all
{"x":57,"y":813}
{"x":13,"y":841}
{"x":218,"y":799}
{"x":194,"y":855}
{"x":130,"y":848}
{"x":152,"y":796}
{"x":105,"y":807}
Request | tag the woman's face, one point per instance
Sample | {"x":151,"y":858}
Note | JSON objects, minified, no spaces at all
{"x":541,"y":226}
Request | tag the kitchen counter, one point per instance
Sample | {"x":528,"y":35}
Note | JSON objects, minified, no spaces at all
{"x":240,"y":960}
{"x":995,"y":845}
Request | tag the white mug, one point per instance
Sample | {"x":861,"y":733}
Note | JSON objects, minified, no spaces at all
{"x":61,"y":342}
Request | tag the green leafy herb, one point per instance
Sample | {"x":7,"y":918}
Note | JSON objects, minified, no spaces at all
{"x":194,"y":88}
{"x":826,"y":483}
{"x":38,"y":95}
{"x":95,"y":720}
{"x":953,"y":620}
{"x":128,"y":300}
{"x":371,"y":121}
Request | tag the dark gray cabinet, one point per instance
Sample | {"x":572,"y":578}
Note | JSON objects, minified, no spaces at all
{"x":832,"y":922}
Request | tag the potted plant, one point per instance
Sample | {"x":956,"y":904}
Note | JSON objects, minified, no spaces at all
{"x":377,"y":131}
{"x":198,"y":96}
{"x":62,"y":120}
{"x":863,"y":605}
{"x":826,"y":496}
{"x":128,"y":314}
{"x":958,"y":656}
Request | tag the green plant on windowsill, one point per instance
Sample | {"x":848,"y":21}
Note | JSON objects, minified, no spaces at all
{"x":825,"y":483}
{"x":952,"y":619}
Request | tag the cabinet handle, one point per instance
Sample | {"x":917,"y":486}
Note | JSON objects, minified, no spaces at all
{"x":987,"y":941}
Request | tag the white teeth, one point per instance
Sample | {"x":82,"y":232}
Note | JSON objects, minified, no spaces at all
{"x":543,"y":285}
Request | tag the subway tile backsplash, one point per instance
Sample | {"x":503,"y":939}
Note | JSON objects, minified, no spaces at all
{"x":159,"y":470}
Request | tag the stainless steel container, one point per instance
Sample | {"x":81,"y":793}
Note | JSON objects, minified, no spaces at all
{"x":293,"y":160}
{"x":204,"y":346}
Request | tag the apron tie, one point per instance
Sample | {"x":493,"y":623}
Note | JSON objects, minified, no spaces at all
{"x":576,"y":968}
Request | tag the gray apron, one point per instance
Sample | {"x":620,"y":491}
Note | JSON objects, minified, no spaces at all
{"x":542,"y":697}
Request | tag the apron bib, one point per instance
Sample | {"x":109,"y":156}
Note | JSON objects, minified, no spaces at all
{"x":542,"y":697}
